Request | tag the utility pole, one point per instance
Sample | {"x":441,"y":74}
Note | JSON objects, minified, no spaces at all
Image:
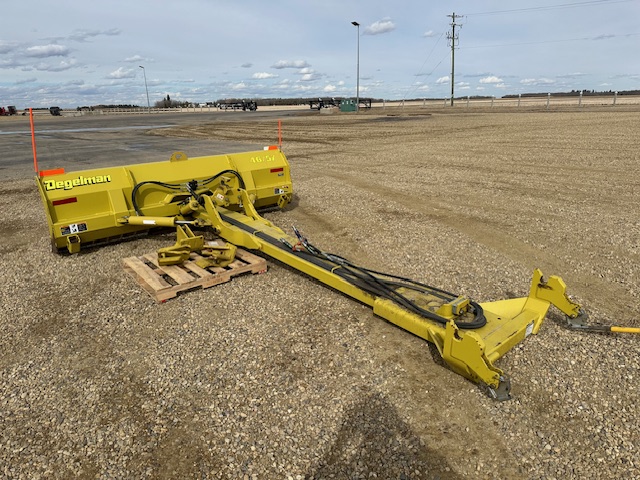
{"x":357,"y":25}
{"x":144,"y":71}
{"x":453,"y":38}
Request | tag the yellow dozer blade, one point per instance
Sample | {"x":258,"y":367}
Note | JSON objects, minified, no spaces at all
{"x":87,"y":207}
{"x":224,"y":193}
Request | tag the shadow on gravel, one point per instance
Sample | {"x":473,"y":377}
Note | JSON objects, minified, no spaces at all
{"x":374,"y":439}
{"x":399,"y":117}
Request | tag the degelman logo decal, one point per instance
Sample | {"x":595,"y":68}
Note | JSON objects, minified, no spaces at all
{"x":76,"y":182}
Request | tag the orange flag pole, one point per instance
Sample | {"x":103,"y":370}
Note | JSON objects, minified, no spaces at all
{"x":33,"y":141}
{"x":280,"y":134}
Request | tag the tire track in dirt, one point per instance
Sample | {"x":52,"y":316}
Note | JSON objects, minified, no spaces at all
{"x":609,"y":294}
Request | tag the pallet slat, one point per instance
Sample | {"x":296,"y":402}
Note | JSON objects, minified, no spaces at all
{"x":165,"y":282}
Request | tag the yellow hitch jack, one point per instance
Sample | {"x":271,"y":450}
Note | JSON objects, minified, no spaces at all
{"x":186,"y":242}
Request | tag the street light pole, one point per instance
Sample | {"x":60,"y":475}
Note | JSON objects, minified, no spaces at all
{"x":357,"y":25}
{"x":144,"y":72}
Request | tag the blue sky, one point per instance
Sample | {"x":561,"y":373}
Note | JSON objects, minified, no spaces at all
{"x":80,"y":52}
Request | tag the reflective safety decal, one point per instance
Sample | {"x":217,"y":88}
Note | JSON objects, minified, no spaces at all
{"x":529,"y":330}
{"x":73,"y":228}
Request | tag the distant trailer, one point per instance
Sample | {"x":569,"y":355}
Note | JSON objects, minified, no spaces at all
{"x":365,"y":103}
{"x":244,"y":106}
{"x":333,"y":102}
{"x":323,"y":103}
{"x":11,"y":110}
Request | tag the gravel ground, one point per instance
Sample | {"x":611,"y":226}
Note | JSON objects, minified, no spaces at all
{"x":276,"y":376}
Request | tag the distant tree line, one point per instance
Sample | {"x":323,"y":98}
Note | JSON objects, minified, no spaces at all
{"x":167,"y":102}
{"x":263,"y":102}
{"x":576,"y":93}
{"x":101,"y":106}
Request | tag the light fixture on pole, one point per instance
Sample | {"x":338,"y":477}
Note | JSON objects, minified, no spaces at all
{"x":144,"y":72}
{"x":357,"y":25}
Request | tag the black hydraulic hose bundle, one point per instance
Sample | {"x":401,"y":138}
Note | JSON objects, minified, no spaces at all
{"x":376,"y":283}
{"x":179,"y":186}
{"x":170,"y":186}
{"x":370,"y":281}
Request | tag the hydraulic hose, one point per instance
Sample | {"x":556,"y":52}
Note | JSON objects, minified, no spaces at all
{"x":178,"y":186}
{"x":369,"y":280}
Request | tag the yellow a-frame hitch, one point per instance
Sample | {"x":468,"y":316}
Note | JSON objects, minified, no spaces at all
{"x":469,"y":336}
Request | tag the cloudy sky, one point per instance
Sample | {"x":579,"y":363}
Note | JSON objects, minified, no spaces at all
{"x":80,"y":52}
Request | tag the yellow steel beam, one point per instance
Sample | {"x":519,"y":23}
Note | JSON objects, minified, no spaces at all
{"x":470,"y":353}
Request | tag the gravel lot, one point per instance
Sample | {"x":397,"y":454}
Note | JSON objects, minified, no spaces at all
{"x":275,"y":376}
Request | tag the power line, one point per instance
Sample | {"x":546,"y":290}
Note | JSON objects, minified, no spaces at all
{"x":453,"y":36}
{"x":597,"y":38}
{"x":548,"y":7}
{"x":419,"y":74}
{"x":410,"y":92}
{"x":430,"y":53}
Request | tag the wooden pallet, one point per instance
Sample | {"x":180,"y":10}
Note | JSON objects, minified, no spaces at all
{"x":163,"y":283}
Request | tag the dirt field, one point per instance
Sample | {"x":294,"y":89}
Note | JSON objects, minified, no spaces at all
{"x":275,"y":376}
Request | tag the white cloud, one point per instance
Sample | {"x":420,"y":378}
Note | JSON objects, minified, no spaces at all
{"x":572,"y":75}
{"x":536,"y":81}
{"x":6,"y":47}
{"x":302,"y":88}
{"x":13,"y":63}
{"x":603,"y":37}
{"x":60,"y":67}
{"x":429,"y":34}
{"x":309,"y":77}
{"x":491,"y":79}
{"x":329,"y":88}
{"x":290,"y":64}
{"x":263,"y":75}
{"x":83,"y":35}
{"x":26,"y":80}
{"x":121,"y":73}
{"x":442,"y":80}
{"x":381,"y":26}
{"x":138,"y":59}
{"x":51,"y":50}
